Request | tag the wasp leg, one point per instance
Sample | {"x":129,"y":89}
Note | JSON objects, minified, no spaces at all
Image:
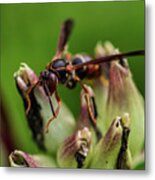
{"x":28,"y":97}
{"x":59,"y":103}
{"x":93,"y":114}
{"x":48,"y":123}
{"x":55,"y":113}
{"x":47,"y":92}
{"x":28,"y":103}
{"x":90,"y":110}
{"x":91,"y":105}
{"x":87,"y":97}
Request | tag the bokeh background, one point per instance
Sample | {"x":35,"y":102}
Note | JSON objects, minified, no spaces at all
{"x":29,"y":33}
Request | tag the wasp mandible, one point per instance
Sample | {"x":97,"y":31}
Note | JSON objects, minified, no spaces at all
{"x":70,"y":70}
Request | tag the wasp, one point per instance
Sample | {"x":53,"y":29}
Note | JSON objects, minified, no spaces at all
{"x":70,"y":70}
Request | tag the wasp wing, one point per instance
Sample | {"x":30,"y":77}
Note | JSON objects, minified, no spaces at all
{"x":65,"y":32}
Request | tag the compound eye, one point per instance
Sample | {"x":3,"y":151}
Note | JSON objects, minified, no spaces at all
{"x":58,"y":63}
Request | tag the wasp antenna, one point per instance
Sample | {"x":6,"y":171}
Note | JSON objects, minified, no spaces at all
{"x":135,"y":53}
{"x":110,"y":58}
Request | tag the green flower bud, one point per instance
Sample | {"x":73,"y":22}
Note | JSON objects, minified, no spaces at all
{"x":75,"y":151}
{"x":107,"y":150}
{"x":25,"y":78}
{"x":22,"y":159}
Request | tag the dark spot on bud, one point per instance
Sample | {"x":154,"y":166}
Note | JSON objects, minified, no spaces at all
{"x":80,"y":159}
{"x":117,"y":124}
{"x":34,"y":117}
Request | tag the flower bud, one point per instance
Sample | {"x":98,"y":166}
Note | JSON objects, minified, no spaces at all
{"x":75,"y":151}
{"x":107,"y":150}
{"x":21,"y":159}
{"x":25,"y":78}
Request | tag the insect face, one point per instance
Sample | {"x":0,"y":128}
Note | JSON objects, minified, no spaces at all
{"x":49,"y":81}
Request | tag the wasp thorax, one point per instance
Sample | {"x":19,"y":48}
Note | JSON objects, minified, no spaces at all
{"x":58,"y":63}
{"x":62,"y":74}
{"x":64,"y":77}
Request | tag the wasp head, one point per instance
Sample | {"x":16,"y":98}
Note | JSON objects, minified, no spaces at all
{"x":49,"y":80}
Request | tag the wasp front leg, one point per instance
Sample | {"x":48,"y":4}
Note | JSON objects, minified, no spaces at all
{"x":27,"y":95}
{"x":56,"y":112}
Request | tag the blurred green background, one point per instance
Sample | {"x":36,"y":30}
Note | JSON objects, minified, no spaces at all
{"x":29,"y":33}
